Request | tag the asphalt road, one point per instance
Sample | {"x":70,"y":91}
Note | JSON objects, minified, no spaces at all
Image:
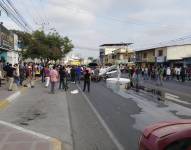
{"x":87,"y":131}
{"x":104,"y":119}
{"x":127,"y":113}
{"x":116,"y":111}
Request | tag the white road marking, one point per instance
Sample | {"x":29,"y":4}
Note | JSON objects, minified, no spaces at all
{"x":111,"y":135}
{"x":172,"y":95}
{"x":13,"y":96}
{"x":25,"y":130}
{"x":175,"y":98}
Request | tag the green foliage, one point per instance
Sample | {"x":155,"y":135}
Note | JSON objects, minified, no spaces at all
{"x":48,"y":47}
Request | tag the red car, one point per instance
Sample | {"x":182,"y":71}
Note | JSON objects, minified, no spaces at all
{"x":169,"y":135}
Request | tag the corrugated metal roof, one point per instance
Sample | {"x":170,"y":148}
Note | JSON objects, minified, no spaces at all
{"x":116,"y":44}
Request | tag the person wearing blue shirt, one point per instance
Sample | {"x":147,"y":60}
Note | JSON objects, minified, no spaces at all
{"x":78,"y":73}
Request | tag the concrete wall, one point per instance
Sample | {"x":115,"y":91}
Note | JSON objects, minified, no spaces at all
{"x":178,"y":52}
{"x":150,"y":56}
{"x":12,"y":57}
{"x":109,"y":50}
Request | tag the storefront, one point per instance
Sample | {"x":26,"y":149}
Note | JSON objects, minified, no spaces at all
{"x":6,"y":43}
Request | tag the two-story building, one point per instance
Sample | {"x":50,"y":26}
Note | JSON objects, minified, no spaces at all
{"x":169,"y":55}
{"x":145,"y":57}
{"x":8,"y":45}
{"x":116,"y":53}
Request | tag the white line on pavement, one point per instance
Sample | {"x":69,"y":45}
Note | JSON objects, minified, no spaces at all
{"x":13,"y":96}
{"x":25,"y":130}
{"x":176,"y":100}
{"x":111,"y":135}
{"x":172,"y":95}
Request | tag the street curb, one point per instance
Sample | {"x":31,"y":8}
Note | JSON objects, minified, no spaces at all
{"x":56,"y":144}
{"x":5,"y":102}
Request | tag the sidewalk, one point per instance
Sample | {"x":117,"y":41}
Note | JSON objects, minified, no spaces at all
{"x":6,"y":96}
{"x":16,"y":138}
{"x":4,"y":93}
{"x":177,"y":88}
{"x":13,"y":137}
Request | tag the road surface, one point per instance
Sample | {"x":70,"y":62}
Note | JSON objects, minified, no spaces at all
{"x":104,"y":119}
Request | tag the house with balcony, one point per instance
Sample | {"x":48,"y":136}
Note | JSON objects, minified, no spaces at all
{"x":145,"y":57}
{"x":116,"y":53}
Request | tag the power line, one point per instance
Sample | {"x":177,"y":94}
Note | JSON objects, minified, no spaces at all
{"x":14,"y":15}
{"x":166,"y":43}
{"x":43,"y":21}
{"x":18,"y":14}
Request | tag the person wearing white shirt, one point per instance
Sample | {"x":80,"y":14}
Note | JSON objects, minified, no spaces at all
{"x":168,"y":73}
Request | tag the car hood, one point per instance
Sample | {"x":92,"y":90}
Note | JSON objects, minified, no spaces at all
{"x":167,"y":127}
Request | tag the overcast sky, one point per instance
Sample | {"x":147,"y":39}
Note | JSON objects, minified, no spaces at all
{"x":90,"y":23}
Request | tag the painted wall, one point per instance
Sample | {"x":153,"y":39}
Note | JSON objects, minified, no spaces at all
{"x":12,"y":57}
{"x":3,"y":55}
{"x":178,"y":52}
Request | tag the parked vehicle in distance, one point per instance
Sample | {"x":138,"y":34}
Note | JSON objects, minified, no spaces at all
{"x":168,"y":135}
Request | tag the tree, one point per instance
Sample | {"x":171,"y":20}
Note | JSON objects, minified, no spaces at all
{"x":67,"y":46}
{"x":50,"y":46}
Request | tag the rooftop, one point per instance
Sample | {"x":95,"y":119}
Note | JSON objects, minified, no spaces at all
{"x":116,"y":44}
{"x":167,"y":44}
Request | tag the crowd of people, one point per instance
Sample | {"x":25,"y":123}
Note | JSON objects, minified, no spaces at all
{"x":159,"y":73}
{"x":50,"y":74}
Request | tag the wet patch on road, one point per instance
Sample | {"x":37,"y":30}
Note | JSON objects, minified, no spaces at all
{"x":34,"y":113}
{"x":26,"y":118}
{"x":155,"y":106}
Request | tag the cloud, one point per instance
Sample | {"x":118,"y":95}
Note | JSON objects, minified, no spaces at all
{"x":90,"y":23}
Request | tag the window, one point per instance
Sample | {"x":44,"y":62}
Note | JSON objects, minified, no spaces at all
{"x":184,"y":144}
{"x":160,"y":53}
{"x":145,"y":55}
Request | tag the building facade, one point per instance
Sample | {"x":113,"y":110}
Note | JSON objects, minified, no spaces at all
{"x":170,"y":55}
{"x":145,"y":57}
{"x":8,"y":45}
{"x":116,"y":53}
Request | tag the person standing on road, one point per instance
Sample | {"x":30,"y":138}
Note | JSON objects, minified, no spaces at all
{"x":22,"y":70}
{"x":146,"y":76}
{"x":160,"y":75}
{"x":63,"y":78}
{"x":78,"y":73}
{"x":182,"y":74}
{"x":42,"y":73}
{"x":87,"y":78}
{"x":30,"y":75}
{"x":73,"y":75}
{"x":168,"y":72}
{"x":53,"y":78}
{"x":178,"y":73}
{"x":47,"y":75}
{"x":10,"y":75}
{"x":17,"y":74}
